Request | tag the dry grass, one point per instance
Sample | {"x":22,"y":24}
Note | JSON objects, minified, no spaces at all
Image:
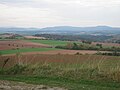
{"x":72,"y":66}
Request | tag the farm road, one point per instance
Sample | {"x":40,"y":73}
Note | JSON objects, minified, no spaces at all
{"x":10,"y":85}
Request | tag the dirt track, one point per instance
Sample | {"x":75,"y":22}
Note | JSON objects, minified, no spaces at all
{"x":10,"y":85}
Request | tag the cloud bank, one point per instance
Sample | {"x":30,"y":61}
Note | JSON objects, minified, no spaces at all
{"x":43,"y":13}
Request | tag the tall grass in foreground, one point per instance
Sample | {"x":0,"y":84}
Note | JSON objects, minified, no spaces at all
{"x":104,"y":70}
{"x":75,"y":72}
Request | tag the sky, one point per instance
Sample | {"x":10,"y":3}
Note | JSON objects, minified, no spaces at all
{"x":47,"y":13}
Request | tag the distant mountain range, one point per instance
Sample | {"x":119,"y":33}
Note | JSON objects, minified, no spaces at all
{"x":70,"y":28}
{"x":98,"y":30}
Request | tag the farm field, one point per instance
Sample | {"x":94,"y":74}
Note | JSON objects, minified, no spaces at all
{"x":74,"y":72}
{"x":38,"y":62}
{"x":63,"y":43}
{"x":14,"y":44}
{"x":50,"y":51}
{"x":61,"y":51}
{"x":23,"y":50}
{"x":50,"y":42}
{"x":33,"y":37}
{"x":36,"y":46}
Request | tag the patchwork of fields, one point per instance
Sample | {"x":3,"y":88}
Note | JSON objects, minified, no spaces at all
{"x":38,"y":62}
{"x":36,"y":46}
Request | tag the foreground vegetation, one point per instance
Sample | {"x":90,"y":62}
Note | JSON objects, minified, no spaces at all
{"x":75,"y":72}
{"x":64,"y":82}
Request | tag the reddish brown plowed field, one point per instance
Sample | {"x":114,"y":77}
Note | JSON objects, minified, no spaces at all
{"x":38,"y":58}
{"x":13,"y":44}
{"x":34,"y":37}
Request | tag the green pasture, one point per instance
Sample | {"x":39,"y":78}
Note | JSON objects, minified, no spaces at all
{"x":26,"y":50}
{"x":52,"y":42}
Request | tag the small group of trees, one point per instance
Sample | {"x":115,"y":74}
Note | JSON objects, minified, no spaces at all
{"x":118,"y":41}
{"x":99,"y":45}
{"x":76,"y":46}
{"x":86,"y":42}
{"x":113,"y":53}
{"x":11,"y":37}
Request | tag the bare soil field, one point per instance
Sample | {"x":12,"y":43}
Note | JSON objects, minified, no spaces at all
{"x":14,"y":44}
{"x":34,"y":37}
{"x":6,"y":36}
{"x":10,"y":85}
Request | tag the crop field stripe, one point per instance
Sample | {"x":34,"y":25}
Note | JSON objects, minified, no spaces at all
{"x":51,"y":42}
{"x":26,"y":50}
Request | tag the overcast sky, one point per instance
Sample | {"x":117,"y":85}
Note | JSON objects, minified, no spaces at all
{"x":45,"y":13}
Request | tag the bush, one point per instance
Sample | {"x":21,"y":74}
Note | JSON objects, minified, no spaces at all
{"x":2,"y":71}
{"x":17,"y":69}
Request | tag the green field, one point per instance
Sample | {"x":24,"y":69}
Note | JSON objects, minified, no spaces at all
{"x":50,"y":42}
{"x":26,"y":50}
{"x":64,"y":82}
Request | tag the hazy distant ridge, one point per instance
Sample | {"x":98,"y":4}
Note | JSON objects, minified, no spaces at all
{"x":64,"y":29}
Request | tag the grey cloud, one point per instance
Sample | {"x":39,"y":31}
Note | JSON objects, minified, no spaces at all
{"x":68,"y":12}
{"x":14,"y":1}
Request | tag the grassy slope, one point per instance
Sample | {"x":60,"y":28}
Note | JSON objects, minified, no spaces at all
{"x":63,"y":82}
{"x":26,"y":50}
{"x":67,"y":75}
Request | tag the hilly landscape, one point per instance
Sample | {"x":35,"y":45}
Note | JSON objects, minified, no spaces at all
{"x":59,"y":44}
{"x":98,"y":30}
{"x":73,"y":58}
{"x":98,"y":33}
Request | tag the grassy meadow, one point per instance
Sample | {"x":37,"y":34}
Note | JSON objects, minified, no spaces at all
{"x":74,"y":72}
{"x":50,"y":42}
{"x":22,"y":50}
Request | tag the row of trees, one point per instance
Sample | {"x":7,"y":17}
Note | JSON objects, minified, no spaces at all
{"x":114,"y":53}
{"x":76,"y":46}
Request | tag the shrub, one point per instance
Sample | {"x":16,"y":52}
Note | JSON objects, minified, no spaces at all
{"x":17,"y":69}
